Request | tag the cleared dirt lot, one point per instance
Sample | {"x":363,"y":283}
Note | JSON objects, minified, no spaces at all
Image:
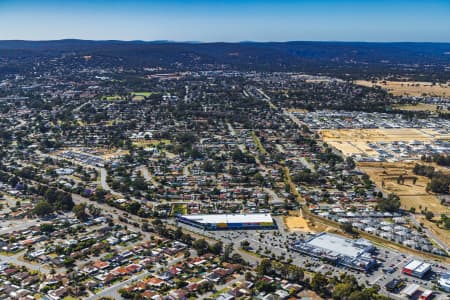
{"x":355,"y":141}
{"x":297,"y":110}
{"x":381,"y":135}
{"x":296,"y":223}
{"x":147,"y":143}
{"x":411,"y":88}
{"x":349,"y":148}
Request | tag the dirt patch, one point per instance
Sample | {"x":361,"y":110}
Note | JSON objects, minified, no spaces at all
{"x":147,"y":143}
{"x":296,"y":224}
{"x":115,"y":154}
{"x":297,"y":110}
{"x":307,"y":294}
{"x":381,"y":135}
{"x":442,"y":234}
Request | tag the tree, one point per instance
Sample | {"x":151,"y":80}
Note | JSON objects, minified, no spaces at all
{"x":157,"y":222}
{"x":264,"y":267}
{"x":139,"y":183}
{"x":245,"y":244}
{"x":42,"y":208}
{"x":47,"y":227}
{"x":428,"y":215}
{"x":94,"y":210}
{"x":248,"y":276}
{"x":145,"y":226}
{"x":68,"y":261}
{"x":445,"y":221}
{"x":201,"y":246}
{"x":216,"y":248}
{"x":237,"y":258}
{"x":341,"y":291}
{"x":359,"y":295}
{"x":133,"y":207}
{"x":347,"y":227}
{"x":390,"y":204}
{"x":227,"y":252}
{"x":350,"y":162}
{"x":178,"y":233}
{"x":319,"y":284}
{"x":295,"y":273}
{"x":99,"y":195}
{"x":80,"y":211}
{"x":264,"y":286}
{"x":439,"y":183}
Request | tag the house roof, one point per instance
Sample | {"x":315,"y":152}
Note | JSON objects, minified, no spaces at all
{"x":100,"y":264}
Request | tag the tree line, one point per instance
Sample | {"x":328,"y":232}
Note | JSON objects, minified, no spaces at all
{"x":439,"y":182}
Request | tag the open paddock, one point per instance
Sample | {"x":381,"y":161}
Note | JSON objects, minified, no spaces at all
{"x":412,"y":194}
{"x":382,"y":135}
{"x":422,"y":107}
{"x":409,"y":88}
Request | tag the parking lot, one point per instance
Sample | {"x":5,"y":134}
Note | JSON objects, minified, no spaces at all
{"x":83,"y":158}
{"x":276,"y":243}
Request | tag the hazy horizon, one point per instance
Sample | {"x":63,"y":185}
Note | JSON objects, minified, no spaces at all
{"x":227,"y":21}
{"x":224,"y":42}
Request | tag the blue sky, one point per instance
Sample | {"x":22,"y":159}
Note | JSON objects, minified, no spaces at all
{"x":232,"y":20}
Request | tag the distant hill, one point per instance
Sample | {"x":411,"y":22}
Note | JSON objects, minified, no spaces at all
{"x":354,"y":59}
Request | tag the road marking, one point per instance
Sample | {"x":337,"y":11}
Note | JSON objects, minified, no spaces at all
{"x":320,"y":268}
{"x":401,"y":262}
{"x":375,"y":281}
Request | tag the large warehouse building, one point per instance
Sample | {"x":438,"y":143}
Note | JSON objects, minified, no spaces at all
{"x":416,"y":268}
{"x":229,"y":221}
{"x":355,"y":254}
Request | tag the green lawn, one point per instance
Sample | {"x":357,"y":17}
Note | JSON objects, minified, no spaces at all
{"x":218,"y":293}
{"x":259,"y":144}
{"x":179,"y":209}
{"x":144,"y":94}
